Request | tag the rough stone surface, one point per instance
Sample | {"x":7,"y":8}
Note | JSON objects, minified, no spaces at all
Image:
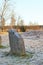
{"x":16,"y":43}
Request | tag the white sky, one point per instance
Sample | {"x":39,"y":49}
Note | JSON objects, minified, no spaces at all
{"x":29,"y":10}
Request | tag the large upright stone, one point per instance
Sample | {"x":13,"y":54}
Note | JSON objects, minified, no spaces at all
{"x":16,"y":43}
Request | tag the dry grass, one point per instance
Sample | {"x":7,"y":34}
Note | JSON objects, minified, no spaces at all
{"x":3,"y":32}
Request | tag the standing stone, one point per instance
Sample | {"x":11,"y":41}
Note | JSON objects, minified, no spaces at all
{"x":16,"y":43}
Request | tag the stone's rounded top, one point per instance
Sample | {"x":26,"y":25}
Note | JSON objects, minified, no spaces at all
{"x":13,"y":32}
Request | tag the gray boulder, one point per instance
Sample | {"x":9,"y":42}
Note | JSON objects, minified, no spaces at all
{"x":16,"y":43}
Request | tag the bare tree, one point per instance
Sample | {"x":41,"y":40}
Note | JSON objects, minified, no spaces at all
{"x":21,"y":24}
{"x":33,"y":23}
{"x":3,"y":21}
{"x":20,"y":21}
{"x":4,"y":12}
{"x":13,"y":20}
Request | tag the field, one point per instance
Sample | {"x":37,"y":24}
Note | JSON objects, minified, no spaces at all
{"x":33,"y":41}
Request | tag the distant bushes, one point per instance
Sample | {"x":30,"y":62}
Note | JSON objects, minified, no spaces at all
{"x":22,"y":29}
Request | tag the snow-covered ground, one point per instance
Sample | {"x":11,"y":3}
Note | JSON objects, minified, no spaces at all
{"x":33,"y":41}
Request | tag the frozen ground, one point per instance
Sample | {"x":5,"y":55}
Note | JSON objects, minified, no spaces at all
{"x":33,"y":41}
